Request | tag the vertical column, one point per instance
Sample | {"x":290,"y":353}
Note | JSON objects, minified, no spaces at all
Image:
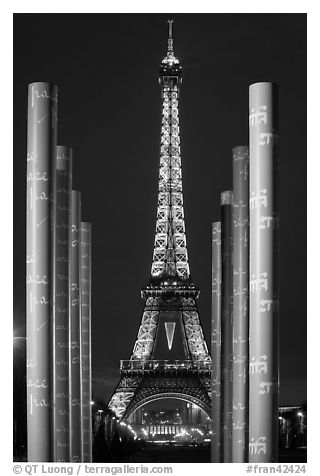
{"x":226,"y":327}
{"x":74,"y":316}
{"x":240,"y":304}
{"x":263,"y":347}
{"x":41,"y":166}
{"x":61,"y":308}
{"x":216,"y":341}
{"x":85,"y":345}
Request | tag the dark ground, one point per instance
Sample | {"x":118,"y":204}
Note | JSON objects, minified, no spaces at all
{"x":195,"y":455}
{"x":296,"y":455}
{"x":173,"y":454}
{"x":189,"y":454}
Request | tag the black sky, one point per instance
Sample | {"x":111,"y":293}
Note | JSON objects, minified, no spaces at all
{"x":106,"y":66}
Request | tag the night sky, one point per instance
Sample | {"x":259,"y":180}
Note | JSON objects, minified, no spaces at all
{"x":106,"y":68}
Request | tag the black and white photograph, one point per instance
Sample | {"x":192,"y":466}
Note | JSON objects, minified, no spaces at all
{"x":159,"y":238}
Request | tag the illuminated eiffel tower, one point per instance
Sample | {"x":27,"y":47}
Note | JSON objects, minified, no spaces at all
{"x":170,"y":358}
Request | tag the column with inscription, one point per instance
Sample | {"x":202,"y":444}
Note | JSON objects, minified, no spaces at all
{"x":226,"y":327}
{"x":216,"y":341}
{"x":74,"y":317}
{"x":263,"y":347}
{"x":61,"y":307}
{"x":85,"y":342}
{"x":240,"y":304}
{"x":41,"y":168}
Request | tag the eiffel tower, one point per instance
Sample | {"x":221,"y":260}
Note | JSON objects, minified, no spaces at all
{"x":170,"y":358}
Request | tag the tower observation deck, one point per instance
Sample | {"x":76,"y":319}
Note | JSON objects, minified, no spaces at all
{"x":170,"y":358}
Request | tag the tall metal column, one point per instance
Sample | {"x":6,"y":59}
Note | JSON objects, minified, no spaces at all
{"x":216,"y":341}
{"x":85,"y":346}
{"x":240,"y":304}
{"x":61,"y":308}
{"x":41,"y":167}
{"x":226,"y":327}
{"x":74,"y":316}
{"x":263,"y":347}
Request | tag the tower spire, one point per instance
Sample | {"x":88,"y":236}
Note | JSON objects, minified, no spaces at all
{"x":170,"y":60}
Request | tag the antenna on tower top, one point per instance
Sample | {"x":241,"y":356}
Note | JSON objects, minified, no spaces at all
{"x":170,"y":39}
{"x":170,"y":28}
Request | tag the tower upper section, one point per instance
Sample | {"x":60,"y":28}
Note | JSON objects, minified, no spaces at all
{"x":170,"y":257}
{"x":170,"y":70}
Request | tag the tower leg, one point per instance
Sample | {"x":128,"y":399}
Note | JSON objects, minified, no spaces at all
{"x":216,"y":341}
{"x":263,"y":398}
{"x":41,"y":168}
{"x":240,"y":304}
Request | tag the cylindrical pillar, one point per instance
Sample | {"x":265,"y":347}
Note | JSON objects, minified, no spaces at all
{"x":61,"y":307}
{"x":216,"y":342}
{"x":41,"y":167}
{"x":85,"y":346}
{"x":74,"y":316}
{"x":263,"y":347}
{"x":226,"y":327}
{"x":240,"y":304}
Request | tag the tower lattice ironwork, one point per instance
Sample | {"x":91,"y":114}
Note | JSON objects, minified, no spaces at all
{"x":170,"y":297}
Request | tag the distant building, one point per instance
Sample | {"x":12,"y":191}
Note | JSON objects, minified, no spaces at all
{"x":292,"y":426}
{"x":186,"y":423}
